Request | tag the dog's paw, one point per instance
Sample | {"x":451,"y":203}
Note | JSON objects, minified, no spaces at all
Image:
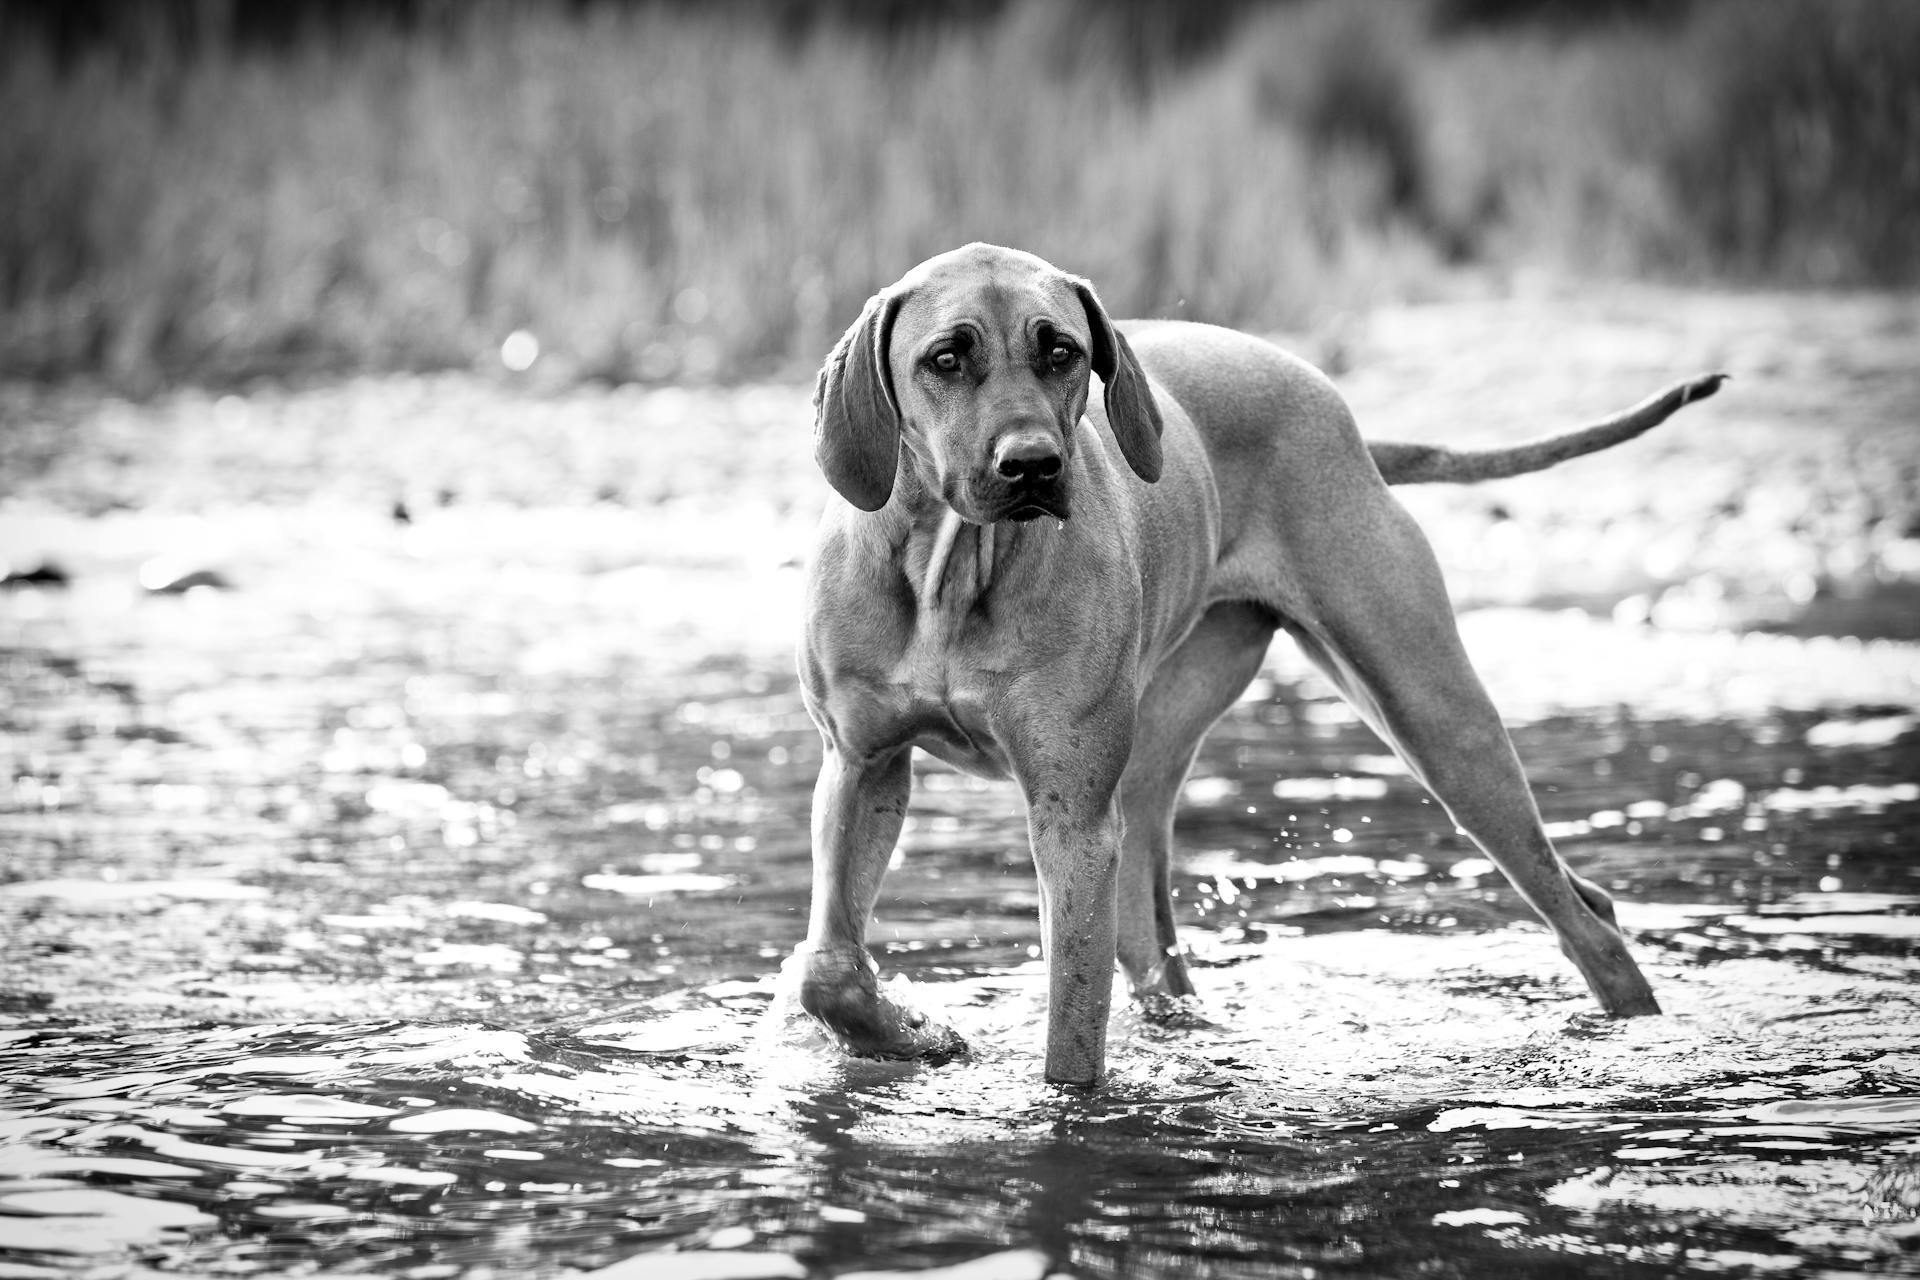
{"x":880,"y":1028}
{"x":841,"y":992}
{"x":912,"y":1035}
{"x":1176,"y":1013}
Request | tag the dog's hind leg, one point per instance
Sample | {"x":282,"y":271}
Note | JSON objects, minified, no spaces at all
{"x":1372,"y":612}
{"x":1189,"y":691}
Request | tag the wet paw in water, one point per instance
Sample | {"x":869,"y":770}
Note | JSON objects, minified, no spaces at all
{"x":1174,"y":1013}
{"x":842,"y":994}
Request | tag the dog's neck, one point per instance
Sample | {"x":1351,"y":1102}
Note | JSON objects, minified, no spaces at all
{"x":943,"y":581}
{"x":949,"y":564}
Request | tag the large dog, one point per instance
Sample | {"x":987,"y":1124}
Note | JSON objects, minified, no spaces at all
{"x":1031,"y":585}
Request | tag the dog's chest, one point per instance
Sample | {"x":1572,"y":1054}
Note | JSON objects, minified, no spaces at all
{"x":945,"y":704}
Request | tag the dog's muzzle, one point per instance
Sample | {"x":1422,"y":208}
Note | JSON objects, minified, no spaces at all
{"x":1031,"y":473}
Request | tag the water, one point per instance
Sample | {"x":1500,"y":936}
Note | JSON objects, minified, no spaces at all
{"x":415,"y":911}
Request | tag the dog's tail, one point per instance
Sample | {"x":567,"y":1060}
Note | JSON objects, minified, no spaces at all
{"x":1428,"y":464}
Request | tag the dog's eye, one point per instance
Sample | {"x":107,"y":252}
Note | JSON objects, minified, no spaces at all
{"x":1061,"y":356}
{"x":946,"y":361}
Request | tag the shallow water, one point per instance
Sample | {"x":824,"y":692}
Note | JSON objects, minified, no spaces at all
{"x":414,"y":911}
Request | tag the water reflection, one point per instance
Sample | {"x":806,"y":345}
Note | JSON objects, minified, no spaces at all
{"x":1303,"y":1135}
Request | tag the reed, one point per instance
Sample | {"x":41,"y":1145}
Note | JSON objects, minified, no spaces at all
{"x":670,"y":193}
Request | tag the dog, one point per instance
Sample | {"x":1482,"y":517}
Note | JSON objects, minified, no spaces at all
{"x":1032,"y":583}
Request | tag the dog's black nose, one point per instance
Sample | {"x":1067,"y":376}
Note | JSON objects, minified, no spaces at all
{"x":1026,"y":457}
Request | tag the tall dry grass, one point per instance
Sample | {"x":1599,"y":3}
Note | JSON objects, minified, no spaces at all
{"x":665,"y":193}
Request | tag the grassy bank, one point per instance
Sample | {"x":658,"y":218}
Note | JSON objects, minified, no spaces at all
{"x":656,"y":194}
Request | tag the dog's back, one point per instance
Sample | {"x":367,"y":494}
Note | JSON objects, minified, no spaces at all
{"x":1242,"y":392}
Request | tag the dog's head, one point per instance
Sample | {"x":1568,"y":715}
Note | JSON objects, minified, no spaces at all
{"x":977,"y":365}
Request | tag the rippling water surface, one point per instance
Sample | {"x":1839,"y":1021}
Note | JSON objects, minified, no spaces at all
{"x":413,"y":913}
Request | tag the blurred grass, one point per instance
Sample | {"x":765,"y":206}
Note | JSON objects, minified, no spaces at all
{"x":695,"y":194}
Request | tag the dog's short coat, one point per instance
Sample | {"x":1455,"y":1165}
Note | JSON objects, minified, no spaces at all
{"x":1029,"y":584}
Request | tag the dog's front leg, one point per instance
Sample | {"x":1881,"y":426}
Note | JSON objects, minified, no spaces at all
{"x":1076,"y":852}
{"x":858,"y":808}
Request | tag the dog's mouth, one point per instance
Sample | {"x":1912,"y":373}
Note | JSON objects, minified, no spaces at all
{"x":1028,"y":500}
{"x":1031,"y":505}
{"x":1021,"y":502}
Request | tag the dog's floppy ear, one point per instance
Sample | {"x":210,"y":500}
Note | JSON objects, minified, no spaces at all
{"x":1131,"y":410}
{"x":856,"y":423}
